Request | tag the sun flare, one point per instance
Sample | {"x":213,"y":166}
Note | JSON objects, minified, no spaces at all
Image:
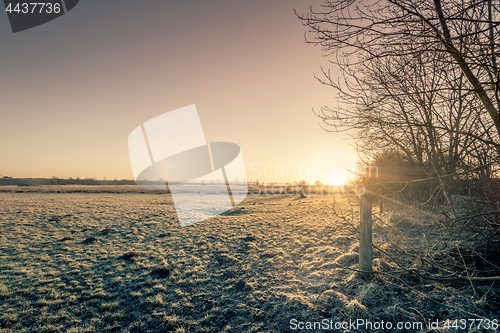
{"x":337,"y":178}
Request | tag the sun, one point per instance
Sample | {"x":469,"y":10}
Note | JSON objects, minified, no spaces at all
{"x":337,"y":178}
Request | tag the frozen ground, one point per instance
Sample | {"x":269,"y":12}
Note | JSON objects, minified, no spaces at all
{"x":120,"y":262}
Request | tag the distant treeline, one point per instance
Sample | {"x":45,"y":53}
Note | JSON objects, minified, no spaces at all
{"x":8,"y":181}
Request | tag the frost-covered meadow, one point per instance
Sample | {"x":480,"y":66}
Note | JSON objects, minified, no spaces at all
{"x":120,"y":262}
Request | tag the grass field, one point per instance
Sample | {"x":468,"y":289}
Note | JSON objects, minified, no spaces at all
{"x":120,"y":262}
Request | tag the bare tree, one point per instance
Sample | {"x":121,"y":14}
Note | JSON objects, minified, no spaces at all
{"x":413,"y":105}
{"x":357,"y":36}
{"x":419,"y":82}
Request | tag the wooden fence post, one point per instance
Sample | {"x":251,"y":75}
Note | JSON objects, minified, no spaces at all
{"x":365,"y":235}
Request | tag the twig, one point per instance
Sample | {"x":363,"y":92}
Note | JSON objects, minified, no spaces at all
{"x":466,"y":270}
{"x":422,"y":294}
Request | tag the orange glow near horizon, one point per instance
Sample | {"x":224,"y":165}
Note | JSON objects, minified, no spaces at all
{"x":338,"y":178}
{"x":74,"y":89}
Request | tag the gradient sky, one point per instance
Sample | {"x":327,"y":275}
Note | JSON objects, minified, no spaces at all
{"x":74,"y":88}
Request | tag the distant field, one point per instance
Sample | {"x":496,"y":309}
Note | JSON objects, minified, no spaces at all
{"x":75,"y":188}
{"x":120,"y":262}
{"x":252,"y":189}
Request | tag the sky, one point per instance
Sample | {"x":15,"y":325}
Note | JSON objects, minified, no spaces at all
{"x":73,"y":89}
